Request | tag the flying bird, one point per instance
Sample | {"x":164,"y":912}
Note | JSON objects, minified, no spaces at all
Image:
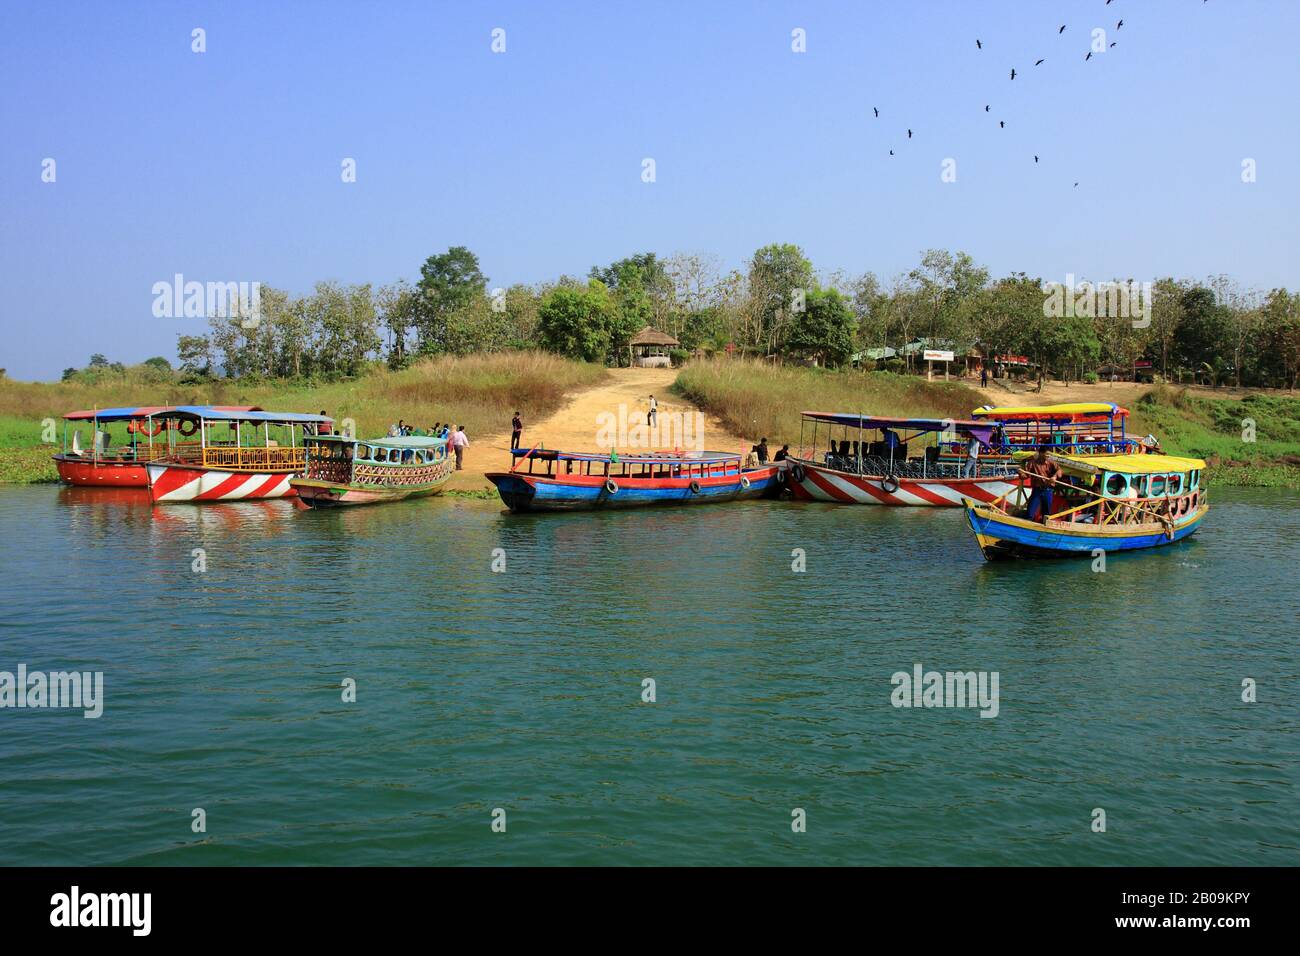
{"x":909,"y":134}
{"x":978,"y":45}
{"x":1118,"y":25}
{"x":1039,"y":62}
{"x":876,"y":110}
{"x":1076,"y":185}
{"x":986,"y":109}
{"x":1013,"y":74}
{"x":1088,"y":57}
{"x":1002,"y":124}
{"x":891,"y":152}
{"x":1035,"y":159}
{"x":1060,"y":31}
{"x":1113,"y":42}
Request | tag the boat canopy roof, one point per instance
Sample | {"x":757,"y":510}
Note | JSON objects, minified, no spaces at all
{"x":981,"y":430}
{"x":1127,"y":464}
{"x":693,"y":457}
{"x":399,"y":441}
{"x":217,"y":413}
{"x":142,"y":412}
{"x":1071,"y":412}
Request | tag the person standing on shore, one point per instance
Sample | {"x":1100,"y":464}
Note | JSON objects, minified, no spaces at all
{"x":516,"y":431}
{"x":652,"y":416}
{"x":459,"y":442}
{"x":984,"y":376}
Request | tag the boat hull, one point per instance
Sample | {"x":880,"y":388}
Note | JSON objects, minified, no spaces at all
{"x":324,"y":494}
{"x":1002,"y":536}
{"x":524,"y":492}
{"x":105,"y":473}
{"x":170,"y":482}
{"x":812,"y":482}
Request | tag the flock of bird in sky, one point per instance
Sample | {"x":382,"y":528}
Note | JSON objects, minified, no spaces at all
{"x":979,"y":45}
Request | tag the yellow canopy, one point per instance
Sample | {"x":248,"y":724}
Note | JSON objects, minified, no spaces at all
{"x":1127,"y":464}
{"x":1049,"y":411}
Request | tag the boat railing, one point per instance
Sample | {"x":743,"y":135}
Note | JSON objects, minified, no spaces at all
{"x":913,"y":467}
{"x":255,"y":457}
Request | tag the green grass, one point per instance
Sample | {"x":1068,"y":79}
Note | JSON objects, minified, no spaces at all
{"x":760,"y":400}
{"x":1217,"y":430}
{"x":480,"y":392}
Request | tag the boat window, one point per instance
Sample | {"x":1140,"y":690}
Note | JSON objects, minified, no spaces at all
{"x":1142,"y":484}
{"x":1116,"y":485}
{"x":363,"y":451}
{"x":408,"y":456}
{"x":1157,"y":486}
{"x":1175,"y":484}
{"x":381,"y":454}
{"x":1196,"y":478}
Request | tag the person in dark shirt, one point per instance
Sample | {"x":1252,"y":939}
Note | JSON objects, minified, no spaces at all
{"x":516,"y":430}
{"x":761,"y":450}
{"x":1043,"y":474}
{"x":783,"y":454}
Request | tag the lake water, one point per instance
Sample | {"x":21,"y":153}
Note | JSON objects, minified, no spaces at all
{"x":522,"y":690}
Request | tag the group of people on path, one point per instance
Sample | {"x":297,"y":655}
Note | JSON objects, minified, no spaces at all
{"x":457,"y":439}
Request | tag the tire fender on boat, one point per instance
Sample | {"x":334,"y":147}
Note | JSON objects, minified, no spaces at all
{"x":611,"y":486}
{"x":889,"y":484}
{"x":798,"y":472}
{"x":744,"y":482}
{"x":695,"y":487}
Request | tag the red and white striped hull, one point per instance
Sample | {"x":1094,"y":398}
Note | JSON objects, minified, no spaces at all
{"x":820,"y":483}
{"x":171,"y":482}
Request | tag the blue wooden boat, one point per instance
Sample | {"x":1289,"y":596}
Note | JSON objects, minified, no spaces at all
{"x":576,"y":481}
{"x":1105,"y":502}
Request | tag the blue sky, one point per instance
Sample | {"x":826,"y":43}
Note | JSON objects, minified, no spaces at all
{"x":225,"y":165}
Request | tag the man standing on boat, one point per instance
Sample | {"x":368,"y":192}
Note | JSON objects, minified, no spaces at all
{"x":1043,"y":473}
{"x":516,"y":431}
{"x":459,"y":442}
{"x":972,"y":468}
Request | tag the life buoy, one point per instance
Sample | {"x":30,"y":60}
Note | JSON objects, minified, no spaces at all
{"x":798,"y":472}
{"x":139,"y":427}
{"x":611,"y":486}
{"x":193,"y":427}
{"x":889,"y":484}
{"x":695,"y":487}
{"x":744,"y":482}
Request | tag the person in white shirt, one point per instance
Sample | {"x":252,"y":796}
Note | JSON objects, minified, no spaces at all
{"x":459,"y":442}
{"x":653,"y":415}
{"x":972,"y":458}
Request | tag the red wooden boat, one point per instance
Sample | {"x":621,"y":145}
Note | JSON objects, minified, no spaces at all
{"x":236,"y":457}
{"x":883,"y":462}
{"x":118,"y":462}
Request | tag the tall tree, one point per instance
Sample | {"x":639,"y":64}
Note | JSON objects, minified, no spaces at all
{"x":448,"y":281}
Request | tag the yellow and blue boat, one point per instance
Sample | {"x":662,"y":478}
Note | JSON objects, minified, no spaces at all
{"x":1109,"y":503}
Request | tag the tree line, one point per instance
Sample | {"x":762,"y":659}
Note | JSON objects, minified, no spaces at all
{"x":777,"y":306}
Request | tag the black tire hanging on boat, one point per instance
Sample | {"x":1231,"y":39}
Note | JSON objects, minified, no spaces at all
{"x":889,"y":484}
{"x":798,"y":472}
{"x":611,"y":486}
{"x":695,"y":487}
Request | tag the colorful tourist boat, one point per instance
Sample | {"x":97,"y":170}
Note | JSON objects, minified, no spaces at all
{"x":1105,"y":502}
{"x":896,"y":461}
{"x":121,"y":463}
{"x":238,"y":455}
{"x":575,"y":481}
{"x":1078,"y":428}
{"x":348,"y":471}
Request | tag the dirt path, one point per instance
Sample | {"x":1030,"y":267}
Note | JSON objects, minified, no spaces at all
{"x":623,"y":397}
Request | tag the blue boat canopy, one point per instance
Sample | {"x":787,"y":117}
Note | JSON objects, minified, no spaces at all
{"x":981,"y":430}
{"x":141,"y":412}
{"x":215,"y":413}
{"x":691,"y":457}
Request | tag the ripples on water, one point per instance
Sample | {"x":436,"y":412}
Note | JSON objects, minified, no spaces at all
{"x":522,"y":690}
